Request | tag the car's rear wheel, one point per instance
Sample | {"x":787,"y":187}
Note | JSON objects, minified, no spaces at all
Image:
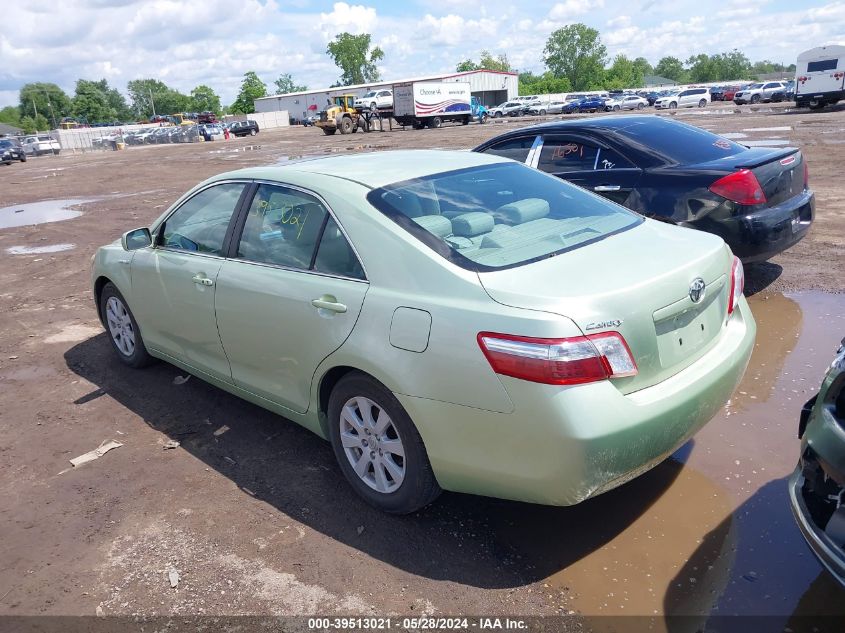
{"x":640,"y":106}
{"x":702,"y":103}
{"x":124,"y":334}
{"x":252,"y":132}
{"x":378,"y":447}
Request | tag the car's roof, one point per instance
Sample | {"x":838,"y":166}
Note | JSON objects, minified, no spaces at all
{"x":374,"y":169}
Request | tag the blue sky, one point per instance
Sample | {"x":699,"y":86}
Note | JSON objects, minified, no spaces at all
{"x":189,"y":42}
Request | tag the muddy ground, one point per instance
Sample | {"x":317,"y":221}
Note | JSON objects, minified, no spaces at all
{"x":252,"y":511}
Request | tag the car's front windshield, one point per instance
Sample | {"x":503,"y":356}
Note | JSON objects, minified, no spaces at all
{"x":499,"y":216}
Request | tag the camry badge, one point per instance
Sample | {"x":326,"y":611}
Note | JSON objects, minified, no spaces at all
{"x":598,"y":325}
{"x":696,"y":290}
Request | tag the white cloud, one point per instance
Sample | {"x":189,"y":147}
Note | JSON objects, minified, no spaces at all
{"x":355,"y":19}
{"x":564,"y":11}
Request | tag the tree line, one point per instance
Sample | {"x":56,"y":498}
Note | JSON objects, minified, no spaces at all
{"x":575,"y":59}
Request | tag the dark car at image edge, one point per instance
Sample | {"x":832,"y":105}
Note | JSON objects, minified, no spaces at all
{"x":817,"y":487}
{"x":755,"y":198}
{"x":11,"y":151}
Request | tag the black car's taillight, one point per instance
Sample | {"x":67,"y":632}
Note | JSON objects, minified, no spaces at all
{"x":741,"y":187}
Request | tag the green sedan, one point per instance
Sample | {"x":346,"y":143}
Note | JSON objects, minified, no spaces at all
{"x":447,"y":320}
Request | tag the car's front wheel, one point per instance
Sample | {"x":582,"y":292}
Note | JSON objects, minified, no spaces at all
{"x":673,"y":106}
{"x":124,"y":334}
{"x":378,"y":447}
{"x":755,"y":98}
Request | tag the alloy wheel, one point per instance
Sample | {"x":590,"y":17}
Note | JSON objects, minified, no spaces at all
{"x":120,"y":326}
{"x":372,"y":444}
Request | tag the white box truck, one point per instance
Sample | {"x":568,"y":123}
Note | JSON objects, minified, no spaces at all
{"x":429,"y":104}
{"x":820,"y":76}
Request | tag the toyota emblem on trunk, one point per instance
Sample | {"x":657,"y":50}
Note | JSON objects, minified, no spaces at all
{"x":696,"y":290}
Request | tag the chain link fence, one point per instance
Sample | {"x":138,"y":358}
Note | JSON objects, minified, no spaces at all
{"x":91,"y":139}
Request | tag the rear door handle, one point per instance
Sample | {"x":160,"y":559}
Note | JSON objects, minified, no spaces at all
{"x":606,"y":188}
{"x":329,"y":302}
{"x":202,"y":280}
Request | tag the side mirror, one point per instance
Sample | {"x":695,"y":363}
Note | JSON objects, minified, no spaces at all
{"x":135,"y":239}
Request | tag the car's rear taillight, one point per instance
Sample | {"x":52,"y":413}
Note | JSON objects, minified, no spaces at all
{"x":806,"y":175}
{"x":737,"y":284}
{"x":741,"y":187}
{"x":561,"y":361}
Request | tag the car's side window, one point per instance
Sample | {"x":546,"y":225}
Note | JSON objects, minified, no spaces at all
{"x":611,"y":159}
{"x":334,"y":254}
{"x":562,"y":155}
{"x":200,"y":223}
{"x":514,"y":148}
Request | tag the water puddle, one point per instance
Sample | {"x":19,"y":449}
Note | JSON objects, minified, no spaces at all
{"x":39,"y":213}
{"x":782,"y":128}
{"x":768,"y":142}
{"x":709,"y":531}
{"x":37,"y":250}
{"x":733,"y":135}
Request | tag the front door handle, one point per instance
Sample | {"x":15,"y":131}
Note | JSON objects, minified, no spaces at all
{"x":606,"y":188}
{"x":202,"y":280}
{"x":329,"y":302}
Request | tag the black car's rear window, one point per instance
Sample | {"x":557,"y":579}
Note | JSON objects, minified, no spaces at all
{"x":677,"y":143}
{"x":499,"y":216}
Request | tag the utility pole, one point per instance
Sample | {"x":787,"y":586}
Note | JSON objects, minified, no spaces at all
{"x":152,"y":102}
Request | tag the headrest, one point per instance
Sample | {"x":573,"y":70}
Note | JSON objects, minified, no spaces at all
{"x":406,"y":203}
{"x":436,"y":224}
{"x":523,"y":211}
{"x":472,"y":224}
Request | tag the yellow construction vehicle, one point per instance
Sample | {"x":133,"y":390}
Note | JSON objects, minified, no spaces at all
{"x":342,"y":116}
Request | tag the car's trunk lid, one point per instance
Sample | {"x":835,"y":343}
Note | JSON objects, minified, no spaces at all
{"x":780,"y":171}
{"x":648,"y":290}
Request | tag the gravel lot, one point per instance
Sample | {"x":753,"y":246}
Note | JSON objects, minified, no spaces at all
{"x":252,"y":511}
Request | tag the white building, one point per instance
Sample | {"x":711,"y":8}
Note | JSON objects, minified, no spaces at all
{"x":490,"y":86}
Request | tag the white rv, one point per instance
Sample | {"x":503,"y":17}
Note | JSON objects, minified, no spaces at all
{"x":820,"y":76}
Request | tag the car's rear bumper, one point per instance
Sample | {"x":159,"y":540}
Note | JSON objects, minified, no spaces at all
{"x":761,"y":235}
{"x":562,"y":445}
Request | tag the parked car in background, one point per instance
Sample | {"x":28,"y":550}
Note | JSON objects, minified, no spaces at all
{"x":243,"y":128}
{"x":728,"y":92}
{"x":817,"y":487}
{"x":755,"y":93}
{"x":206,"y":117}
{"x":583,"y":372}
{"x":717,"y":93}
{"x":11,"y":150}
{"x":552,"y":107}
{"x":509,"y":108}
{"x":689,"y":98}
{"x":375,"y":99}
{"x":626,"y":102}
{"x":757,"y":199}
{"x":651,"y":97}
{"x":211,"y":132}
{"x":592,"y":103}
{"x":40,"y":144}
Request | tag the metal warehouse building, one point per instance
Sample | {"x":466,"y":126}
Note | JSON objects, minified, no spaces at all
{"x":490,"y":86}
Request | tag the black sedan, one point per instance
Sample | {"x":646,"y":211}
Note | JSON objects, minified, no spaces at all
{"x":10,"y":151}
{"x":757,"y":199}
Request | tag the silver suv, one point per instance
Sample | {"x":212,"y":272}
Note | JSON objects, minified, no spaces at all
{"x":755,"y":93}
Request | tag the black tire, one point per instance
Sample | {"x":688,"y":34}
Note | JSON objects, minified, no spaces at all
{"x":465,"y":121}
{"x":373,"y":105}
{"x":23,"y":158}
{"x":542,"y":113}
{"x":702,"y":103}
{"x":497,"y":115}
{"x":419,"y":486}
{"x":436,"y":122}
{"x":139,"y":357}
{"x":253,"y":132}
{"x":640,"y":106}
{"x":755,"y":99}
{"x":329,"y":131}
{"x":673,"y":106}
{"x":616,"y":108}
{"x":346,"y":125}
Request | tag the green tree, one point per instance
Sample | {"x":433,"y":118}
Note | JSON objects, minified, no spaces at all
{"x":352,"y":54}
{"x":285,"y":85}
{"x":547,"y":83}
{"x":10,"y":115}
{"x":45,"y":99}
{"x":624,"y":73}
{"x":203,"y":99}
{"x":252,"y":88}
{"x":39,"y":123}
{"x":642,"y":65}
{"x":576,"y":52}
{"x":486,"y":62}
{"x":151,"y":96}
{"x":733,"y":65}
{"x":91,"y":102}
{"x":671,"y":68}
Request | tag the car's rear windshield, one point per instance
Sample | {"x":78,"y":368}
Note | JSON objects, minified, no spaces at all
{"x":676,"y":143}
{"x":499,"y":216}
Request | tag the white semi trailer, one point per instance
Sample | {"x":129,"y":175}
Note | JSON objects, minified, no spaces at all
{"x":429,"y":104}
{"x":820,"y":76}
